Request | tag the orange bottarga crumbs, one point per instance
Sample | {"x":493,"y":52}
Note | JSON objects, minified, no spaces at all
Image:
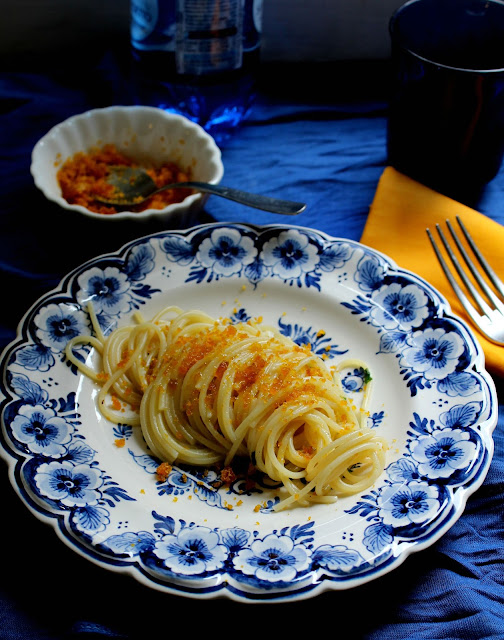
{"x":227,"y":475}
{"x":307,"y":452}
{"x":150,"y":374}
{"x":192,"y":351}
{"x":125,"y":359}
{"x":83,"y":177}
{"x":163,"y":471}
{"x":187,"y":351}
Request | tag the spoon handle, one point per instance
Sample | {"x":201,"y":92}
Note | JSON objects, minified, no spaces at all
{"x":285,"y":207}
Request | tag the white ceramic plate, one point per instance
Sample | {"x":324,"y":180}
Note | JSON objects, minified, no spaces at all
{"x":95,"y":482}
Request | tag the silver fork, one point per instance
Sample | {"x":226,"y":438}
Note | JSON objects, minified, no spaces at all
{"x":487,"y":312}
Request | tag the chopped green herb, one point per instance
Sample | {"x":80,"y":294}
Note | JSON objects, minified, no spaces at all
{"x":366,"y":377}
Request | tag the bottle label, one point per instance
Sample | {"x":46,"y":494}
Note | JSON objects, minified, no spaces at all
{"x":209,"y":36}
{"x":204,"y":35}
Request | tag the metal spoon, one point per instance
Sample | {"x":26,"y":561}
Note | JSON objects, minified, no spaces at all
{"x":133,"y":185}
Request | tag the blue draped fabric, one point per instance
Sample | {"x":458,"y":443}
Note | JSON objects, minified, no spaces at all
{"x":328,"y":150}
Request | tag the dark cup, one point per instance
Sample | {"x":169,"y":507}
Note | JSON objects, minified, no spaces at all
{"x":446,"y":118}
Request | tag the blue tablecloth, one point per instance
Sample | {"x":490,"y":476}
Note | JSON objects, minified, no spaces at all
{"x":299,"y":143}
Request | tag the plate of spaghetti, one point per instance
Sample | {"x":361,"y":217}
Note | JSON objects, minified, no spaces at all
{"x":260,"y":413}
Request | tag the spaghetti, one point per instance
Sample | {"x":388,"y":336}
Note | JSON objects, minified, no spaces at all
{"x":205,"y":391}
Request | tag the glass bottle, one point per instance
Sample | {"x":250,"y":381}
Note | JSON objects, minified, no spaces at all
{"x":198,"y":58}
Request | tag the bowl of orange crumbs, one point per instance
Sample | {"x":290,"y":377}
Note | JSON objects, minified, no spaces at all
{"x":70,"y":163}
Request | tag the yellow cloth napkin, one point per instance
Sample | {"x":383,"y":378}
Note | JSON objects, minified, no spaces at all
{"x":401,"y":211}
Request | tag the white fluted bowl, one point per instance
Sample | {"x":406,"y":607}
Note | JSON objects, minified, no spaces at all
{"x":143,"y":133}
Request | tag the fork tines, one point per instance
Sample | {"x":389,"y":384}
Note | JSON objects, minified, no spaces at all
{"x":487,"y":313}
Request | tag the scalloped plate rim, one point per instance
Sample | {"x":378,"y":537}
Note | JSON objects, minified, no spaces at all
{"x":14,"y":459}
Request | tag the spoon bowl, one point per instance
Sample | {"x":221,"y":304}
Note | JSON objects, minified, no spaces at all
{"x":133,"y":185}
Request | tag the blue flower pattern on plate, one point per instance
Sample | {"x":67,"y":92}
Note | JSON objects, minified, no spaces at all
{"x":446,"y":448}
{"x":289,"y":255}
{"x":437,"y":456}
{"x":61,"y":471}
{"x":194,"y":551}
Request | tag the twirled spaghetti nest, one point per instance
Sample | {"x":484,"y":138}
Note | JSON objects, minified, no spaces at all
{"x":205,"y":391}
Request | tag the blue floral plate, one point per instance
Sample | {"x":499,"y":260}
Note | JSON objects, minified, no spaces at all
{"x":95,"y":482}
